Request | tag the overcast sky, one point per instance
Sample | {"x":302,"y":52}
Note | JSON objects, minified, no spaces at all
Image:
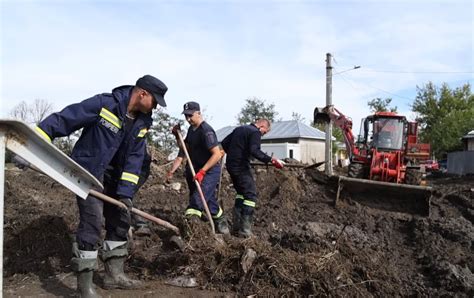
{"x":220,"y":53}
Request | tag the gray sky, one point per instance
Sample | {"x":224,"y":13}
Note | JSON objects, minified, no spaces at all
{"x":221,"y":52}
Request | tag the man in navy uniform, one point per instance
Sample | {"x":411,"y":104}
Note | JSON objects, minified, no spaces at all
{"x":242,"y":144}
{"x":203,"y":148}
{"x":112,"y":148}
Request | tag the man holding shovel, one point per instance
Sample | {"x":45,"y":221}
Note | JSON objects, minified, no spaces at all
{"x":242,"y":144}
{"x":202,"y":146}
{"x":112,"y":148}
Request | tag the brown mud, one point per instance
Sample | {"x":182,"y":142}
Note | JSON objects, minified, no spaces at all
{"x":303,"y":244}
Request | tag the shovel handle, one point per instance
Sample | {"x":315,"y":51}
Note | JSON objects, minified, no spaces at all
{"x":143,"y":214}
{"x":198,"y":186}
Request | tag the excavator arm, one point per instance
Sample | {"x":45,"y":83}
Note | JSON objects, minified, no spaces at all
{"x":330,"y":113}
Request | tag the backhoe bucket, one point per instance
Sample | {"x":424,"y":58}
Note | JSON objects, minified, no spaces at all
{"x":411,"y":199}
{"x":321,"y":115}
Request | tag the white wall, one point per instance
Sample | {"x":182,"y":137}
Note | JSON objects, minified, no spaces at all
{"x":470,"y":144}
{"x":282,"y":150}
{"x":306,"y":151}
{"x":312,"y":150}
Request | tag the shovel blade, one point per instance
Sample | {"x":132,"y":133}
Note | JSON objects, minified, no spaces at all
{"x":411,"y":199}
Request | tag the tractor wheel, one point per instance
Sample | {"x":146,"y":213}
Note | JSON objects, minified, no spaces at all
{"x":413,"y":176}
{"x":357,"y":170}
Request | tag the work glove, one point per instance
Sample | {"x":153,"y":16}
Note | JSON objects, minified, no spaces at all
{"x":200,"y":176}
{"x":20,"y":162}
{"x":176,"y":129}
{"x":278,"y":163}
{"x":128,"y":203}
{"x":169,"y":176}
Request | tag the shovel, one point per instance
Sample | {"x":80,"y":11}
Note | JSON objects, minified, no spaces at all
{"x":198,"y":186}
{"x":175,"y":239}
{"x":43,"y":157}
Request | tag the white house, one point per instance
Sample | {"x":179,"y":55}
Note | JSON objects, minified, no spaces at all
{"x":289,"y":139}
{"x":468,"y":141}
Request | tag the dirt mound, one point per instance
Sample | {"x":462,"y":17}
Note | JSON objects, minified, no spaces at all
{"x":304,"y":246}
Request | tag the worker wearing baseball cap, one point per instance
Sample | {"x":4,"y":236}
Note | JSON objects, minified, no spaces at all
{"x":112,"y":148}
{"x":201,"y":142}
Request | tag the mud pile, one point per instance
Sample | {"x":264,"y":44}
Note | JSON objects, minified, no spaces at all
{"x":304,"y":245}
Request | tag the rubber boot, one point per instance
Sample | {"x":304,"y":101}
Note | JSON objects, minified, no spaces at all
{"x":84,"y":263}
{"x":246,"y":227}
{"x":221,"y":225}
{"x":236,"y":219}
{"x":85,"y":286}
{"x":115,"y":277}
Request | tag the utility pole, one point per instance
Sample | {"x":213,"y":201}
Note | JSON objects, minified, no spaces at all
{"x":328,"y":152}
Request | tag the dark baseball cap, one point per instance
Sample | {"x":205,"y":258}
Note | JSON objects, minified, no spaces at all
{"x":190,"y":107}
{"x":156,"y":87}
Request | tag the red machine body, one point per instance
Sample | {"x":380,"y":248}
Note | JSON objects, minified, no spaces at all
{"x":386,"y":148}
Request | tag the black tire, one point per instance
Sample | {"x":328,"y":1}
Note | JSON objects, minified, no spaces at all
{"x":413,"y":176}
{"x":356,"y":170}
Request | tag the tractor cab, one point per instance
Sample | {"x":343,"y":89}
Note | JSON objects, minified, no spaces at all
{"x":384,"y":131}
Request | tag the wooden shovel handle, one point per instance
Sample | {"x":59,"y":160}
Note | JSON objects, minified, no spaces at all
{"x":143,"y":214}
{"x":198,"y":186}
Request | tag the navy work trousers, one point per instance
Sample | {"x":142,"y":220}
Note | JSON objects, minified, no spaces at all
{"x":244,"y":185}
{"x":91,"y":212}
{"x":209,"y":187}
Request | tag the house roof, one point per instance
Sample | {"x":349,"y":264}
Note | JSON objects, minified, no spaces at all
{"x":282,"y":130}
{"x":470,"y":135}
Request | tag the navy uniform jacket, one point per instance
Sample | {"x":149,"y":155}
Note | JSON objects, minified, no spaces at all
{"x":107,"y":139}
{"x":240,"y":145}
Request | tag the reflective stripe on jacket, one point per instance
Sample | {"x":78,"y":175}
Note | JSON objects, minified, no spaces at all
{"x":104,"y":140}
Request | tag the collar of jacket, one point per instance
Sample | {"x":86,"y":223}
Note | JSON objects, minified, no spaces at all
{"x":122,"y":95}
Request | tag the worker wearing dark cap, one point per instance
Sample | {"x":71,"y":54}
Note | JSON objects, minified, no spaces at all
{"x":112,"y":148}
{"x":201,"y":143}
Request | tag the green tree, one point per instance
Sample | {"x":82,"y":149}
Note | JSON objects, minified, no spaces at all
{"x":256,"y":108}
{"x":160,"y":134}
{"x":381,"y":105}
{"x":445,"y":115}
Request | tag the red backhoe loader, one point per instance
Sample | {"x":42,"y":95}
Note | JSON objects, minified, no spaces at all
{"x":384,"y":170}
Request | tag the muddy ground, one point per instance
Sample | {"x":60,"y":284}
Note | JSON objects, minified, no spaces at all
{"x":304,"y":245}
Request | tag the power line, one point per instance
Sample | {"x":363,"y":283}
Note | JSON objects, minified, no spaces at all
{"x":355,"y":67}
{"x":373,"y":87}
{"x":415,"y":72}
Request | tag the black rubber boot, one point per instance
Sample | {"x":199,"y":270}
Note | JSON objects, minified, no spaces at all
{"x":236,"y":219}
{"x":221,"y":225}
{"x":115,"y":277}
{"x":246,"y":227}
{"x":85,"y":286}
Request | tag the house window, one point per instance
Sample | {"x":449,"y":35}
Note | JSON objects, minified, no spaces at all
{"x":291,"y":153}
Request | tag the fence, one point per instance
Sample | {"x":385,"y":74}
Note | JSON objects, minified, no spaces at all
{"x":461,"y":162}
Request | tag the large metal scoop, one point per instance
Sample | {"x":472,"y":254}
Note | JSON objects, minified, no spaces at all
{"x":385,"y":196}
